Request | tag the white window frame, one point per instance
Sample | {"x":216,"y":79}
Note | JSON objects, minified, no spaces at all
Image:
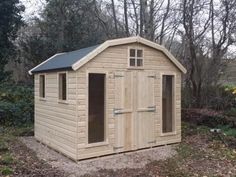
{"x":58,"y":82}
{"x":42,"y":98}
{"x":136,"y":58}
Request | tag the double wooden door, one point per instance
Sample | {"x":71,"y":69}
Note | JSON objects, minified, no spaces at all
{"x":134,"y":110}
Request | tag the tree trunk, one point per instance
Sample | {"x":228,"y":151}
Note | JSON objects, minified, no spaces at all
{"x":163,"y":21}
{"x":114,"y":17}
{"x":126,"y":18}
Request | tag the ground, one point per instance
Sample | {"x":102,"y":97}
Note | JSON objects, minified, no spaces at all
{"x":201,"y":153}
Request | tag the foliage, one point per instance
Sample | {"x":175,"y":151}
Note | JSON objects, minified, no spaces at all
{"x":231,"y":112}
{"x":215,"y":97}
{"x":228,"y":130}
{"x":10,"y":21}
{"x":6,"y":171}
{"x":16,"y":104}
{"x":61,"y":28}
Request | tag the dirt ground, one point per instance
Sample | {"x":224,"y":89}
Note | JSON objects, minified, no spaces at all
{"x":201,"y":153}
{"x":131,"y":160}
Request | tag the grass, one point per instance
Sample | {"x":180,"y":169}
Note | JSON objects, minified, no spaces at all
{"x":6,"y":171}
{"x":6,"y":159}
{"x":228,"y":130}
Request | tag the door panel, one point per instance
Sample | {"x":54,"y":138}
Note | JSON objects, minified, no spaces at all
{"x":123,"y":111}
{"x":145,"y":109}
{"x":134,"y":110}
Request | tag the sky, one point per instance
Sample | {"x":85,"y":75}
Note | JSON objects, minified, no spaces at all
{"x":32,"y":8}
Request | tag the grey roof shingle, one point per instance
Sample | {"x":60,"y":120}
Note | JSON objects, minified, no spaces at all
{"x":64,"y":61}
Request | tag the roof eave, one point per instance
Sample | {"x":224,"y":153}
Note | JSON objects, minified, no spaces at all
{"x":52,"y":70}
{"x":32,"y":70}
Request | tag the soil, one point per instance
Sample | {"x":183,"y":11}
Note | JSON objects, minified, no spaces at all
{"x":28,"y":165}
{"x":132,"y":160}
{"x":201,"y":153}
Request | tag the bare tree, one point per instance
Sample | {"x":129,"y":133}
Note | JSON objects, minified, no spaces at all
{"x":114,"y":16}
{"x":126,"y":18}
{"x":164,"y":20}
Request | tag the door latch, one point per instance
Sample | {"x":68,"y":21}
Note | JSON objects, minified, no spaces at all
{"x":117,"y":111}
{"x":151,"y":108}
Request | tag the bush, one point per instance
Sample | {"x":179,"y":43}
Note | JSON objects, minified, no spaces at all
{"x":16,"y":104}
{"x":212,"y":97}
{"x":231,"y":112}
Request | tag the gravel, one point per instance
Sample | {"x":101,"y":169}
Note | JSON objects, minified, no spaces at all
{"x":132,"y":160}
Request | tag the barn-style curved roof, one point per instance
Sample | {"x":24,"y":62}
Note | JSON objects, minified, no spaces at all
{"x":76,"y":59}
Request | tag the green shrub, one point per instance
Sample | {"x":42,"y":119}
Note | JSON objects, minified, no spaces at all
{"x":212,"y":97}
{"x":16,"y":104}
{"x":221,"y":98}
{"x":228,"y":130}
{"x":231,"y":112}
{"x":6,"y":171}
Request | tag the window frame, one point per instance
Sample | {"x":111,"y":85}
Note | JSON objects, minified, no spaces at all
{"x":58,"y":85}
{"x":40,"y":97}
{"x":136,"y":58}
{"x":105,"y":142}
{"x":174,"y":104}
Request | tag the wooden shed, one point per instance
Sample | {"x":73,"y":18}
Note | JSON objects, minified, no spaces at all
{"x":121,"y":95}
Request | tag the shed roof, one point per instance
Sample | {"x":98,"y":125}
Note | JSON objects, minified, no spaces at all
{"x":62,"y":61}
{"x":76,"y":59}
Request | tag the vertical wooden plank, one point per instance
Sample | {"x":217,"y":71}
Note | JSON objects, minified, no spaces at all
{"x":145,"y":107}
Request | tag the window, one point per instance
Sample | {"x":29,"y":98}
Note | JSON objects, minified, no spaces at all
{"x":135,"y":57}
{"x":42,"y":86}
{"x":167,"y":103}
{"x":62,"y":86}
{"x":96,"y":108}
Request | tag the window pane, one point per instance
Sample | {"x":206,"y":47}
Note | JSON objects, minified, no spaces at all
{"x":132,"y":52}
{"x":132,"y":62}
{"x":62,"y":86}
{"x":96,"y":107}
{"x":167,"y":103}
{"x":140,"y":53}
{"x":139,"y":62}
{"x":42,"y":86}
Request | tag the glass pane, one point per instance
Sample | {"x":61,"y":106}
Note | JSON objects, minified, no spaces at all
{"x":167,"y":103}
{"x":132,"y":62}
{"x":42,"y":86}
{"x":96,"y":119}
{"x":140,"y":62}
{"x":62,"y":86}
{"x":132,"y":52}
{"x":140,"y":53}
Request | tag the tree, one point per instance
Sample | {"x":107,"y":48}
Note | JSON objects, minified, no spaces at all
{"x":206,"y":40}
{"x":10,"y":21}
